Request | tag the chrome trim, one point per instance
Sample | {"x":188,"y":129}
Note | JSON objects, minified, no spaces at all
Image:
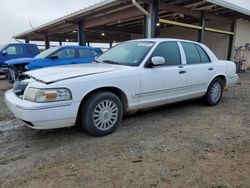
{"x":43,"y":107}
{"x":167,"y":90}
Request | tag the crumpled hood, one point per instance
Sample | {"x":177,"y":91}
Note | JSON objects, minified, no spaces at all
{"x":59,"y":73}
{"x":23,"y":60}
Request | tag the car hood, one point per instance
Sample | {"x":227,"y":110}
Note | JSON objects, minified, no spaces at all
{"x":59,"y":73}
{"x":22,"y":60}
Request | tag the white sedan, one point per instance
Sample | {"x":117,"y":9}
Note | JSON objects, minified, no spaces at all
{"x":133,"y":75}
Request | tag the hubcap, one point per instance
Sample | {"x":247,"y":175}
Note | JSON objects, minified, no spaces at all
{"x":216,"y":92}
{"x":105,"y":115}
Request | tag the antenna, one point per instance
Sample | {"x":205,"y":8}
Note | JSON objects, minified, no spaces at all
{"x":31,"y":24}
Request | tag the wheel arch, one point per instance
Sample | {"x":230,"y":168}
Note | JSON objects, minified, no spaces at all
{"x":222,"y":77}
{"x":118,"y":92}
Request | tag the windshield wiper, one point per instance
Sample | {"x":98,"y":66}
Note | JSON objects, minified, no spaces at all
{"x":97,"y":61}
{"x":110,"y":62}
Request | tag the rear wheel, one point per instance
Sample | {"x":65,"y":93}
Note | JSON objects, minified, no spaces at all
{"x":214,"y":92}
{"x":101,"y":114}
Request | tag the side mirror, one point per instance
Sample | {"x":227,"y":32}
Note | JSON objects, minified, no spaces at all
{"x":4,"y":53}
{"x":54,"y":57}
{"x":158,"y":60}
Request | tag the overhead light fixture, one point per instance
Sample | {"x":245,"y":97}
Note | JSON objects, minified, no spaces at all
{"x":74,"y":31}
{"x":67,"y":40}
{"x":103,"y":34}
{"x":158,"y":24}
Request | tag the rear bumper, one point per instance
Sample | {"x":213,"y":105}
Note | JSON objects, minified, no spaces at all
{"x":40,"y":115}
{"x":231,"y":81}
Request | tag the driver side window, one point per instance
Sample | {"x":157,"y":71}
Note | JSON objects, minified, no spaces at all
{"x":66,"y":53}
{"x":15,"y":50}
{"x":169,"y":51}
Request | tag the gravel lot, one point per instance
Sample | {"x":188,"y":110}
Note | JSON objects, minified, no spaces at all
{"x":180,"y":145}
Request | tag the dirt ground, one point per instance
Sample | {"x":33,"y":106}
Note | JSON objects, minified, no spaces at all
{"x":180,"y":145}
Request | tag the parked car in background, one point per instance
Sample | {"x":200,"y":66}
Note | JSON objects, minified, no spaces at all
{"x":61,"y":55}
{"x":14,"y":51}
{"x":131,"y":76}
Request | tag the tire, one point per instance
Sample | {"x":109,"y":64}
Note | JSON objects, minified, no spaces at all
{"x":214,"y":92}
{"x":101,"y":114}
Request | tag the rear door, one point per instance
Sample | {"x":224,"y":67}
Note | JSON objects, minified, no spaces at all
{"x":86,"y":55}
{"x":199,"y":67}
{"x":164,"y":83}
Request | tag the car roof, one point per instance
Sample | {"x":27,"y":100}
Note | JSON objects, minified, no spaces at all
{"x":164,"y":40}
{"x":18,"y":44}
{"x":75,"y":46}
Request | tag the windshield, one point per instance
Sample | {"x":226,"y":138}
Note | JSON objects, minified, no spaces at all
{"x":47,"y":53}
{"x":127,"y":53}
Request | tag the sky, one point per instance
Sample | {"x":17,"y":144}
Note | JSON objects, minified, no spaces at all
{"x":16,"y":15}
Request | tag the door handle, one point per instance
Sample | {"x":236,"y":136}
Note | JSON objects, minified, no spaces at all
{"x":182,"y":72}
{"x":211,"y":68}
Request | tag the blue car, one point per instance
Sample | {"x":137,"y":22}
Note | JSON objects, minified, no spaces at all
{"x":14,"y":51}
{"x":62,"y":55}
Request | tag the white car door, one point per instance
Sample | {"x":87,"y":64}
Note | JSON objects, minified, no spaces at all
{"x":164,"y":83}
{"x":199,"y":67}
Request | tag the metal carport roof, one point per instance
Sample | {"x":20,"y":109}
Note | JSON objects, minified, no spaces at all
{"x":119,"y":19}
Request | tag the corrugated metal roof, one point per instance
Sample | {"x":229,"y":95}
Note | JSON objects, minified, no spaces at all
{"x":106,"y":14}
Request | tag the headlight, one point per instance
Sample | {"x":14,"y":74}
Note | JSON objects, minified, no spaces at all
{"x":47,"y":95}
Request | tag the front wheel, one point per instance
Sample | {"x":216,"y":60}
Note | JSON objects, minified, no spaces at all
{"x":214,"y":92}
{"x":101,"y":114}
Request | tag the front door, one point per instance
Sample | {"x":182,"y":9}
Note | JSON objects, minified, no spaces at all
{"x":65,"y":56}
{"x":164,"y":83}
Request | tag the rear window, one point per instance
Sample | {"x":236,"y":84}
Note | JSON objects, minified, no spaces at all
{"x":194,"y":53}
{"x":203,"y":54}
{"x":84,"y":53}
{"x":31,"y":50}
{"x":93,"y":53}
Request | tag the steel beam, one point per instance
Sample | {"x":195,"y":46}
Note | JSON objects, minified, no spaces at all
{"x":186,"y":11}
{"x":46,"y":40}
{"x":154,"y":18}
{"x":81,"y":36}
{"x":145,"y":25}
{"x":231,"y":39}
{"x":201,"y":33}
